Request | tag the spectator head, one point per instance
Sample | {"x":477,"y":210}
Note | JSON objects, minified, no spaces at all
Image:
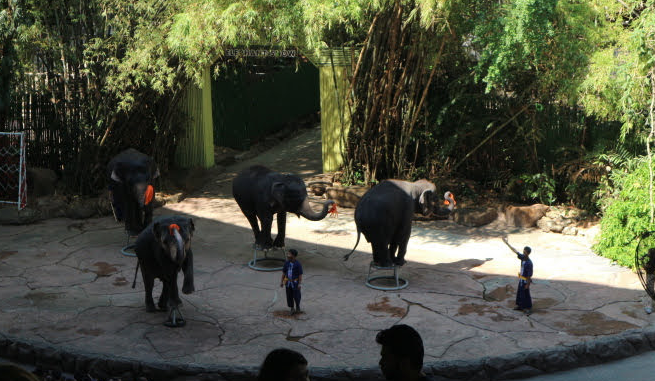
{"x":527,"y":250}
{"x":292,"y":254}
{"x":401,"y":353}
{"x":284,"y":365}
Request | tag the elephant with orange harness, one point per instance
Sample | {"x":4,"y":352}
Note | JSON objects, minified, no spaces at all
{"x":163,"y":249}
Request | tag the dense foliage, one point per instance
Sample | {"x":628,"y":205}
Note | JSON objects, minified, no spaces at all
{"x":626,"y":215}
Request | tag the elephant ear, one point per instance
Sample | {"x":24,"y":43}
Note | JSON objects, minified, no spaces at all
{"x":426,"y":202}
{"x":425,"y":197}
{"x":277,"y":193}
{"x":192,"y":227}
{"x":157,"y":232}
{"x":116,"y":173}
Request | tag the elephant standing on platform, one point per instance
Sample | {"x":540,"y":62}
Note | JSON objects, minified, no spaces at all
{"x":384,"y":215}
{"x":261,"y":193}
{"x":130,"y":176}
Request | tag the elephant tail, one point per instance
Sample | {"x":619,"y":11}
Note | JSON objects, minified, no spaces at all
{"x":345,"y":257}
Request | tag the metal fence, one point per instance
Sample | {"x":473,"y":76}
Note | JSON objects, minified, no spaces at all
{"x":13,"y":184}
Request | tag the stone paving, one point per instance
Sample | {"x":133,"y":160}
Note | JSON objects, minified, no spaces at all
{"x":66,"y":295}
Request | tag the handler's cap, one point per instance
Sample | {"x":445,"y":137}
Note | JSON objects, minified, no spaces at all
{"x":293,"y":252}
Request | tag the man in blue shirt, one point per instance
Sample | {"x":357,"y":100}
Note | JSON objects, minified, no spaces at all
{"x":292,"y":277}
{"x":523,"y":298}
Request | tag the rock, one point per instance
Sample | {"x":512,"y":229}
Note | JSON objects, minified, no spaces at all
{"x":188,"y":180}
{"x":474,"y":216}
{"x":52,"y":206}
{"x":318,"y":184}
{"x":41,"y":181}
{"x":162,"y":199}
{"x":10,"y":215}
{"x":82,"y":208}
{"x":524,"y":216}
{"x":346,"y":197}
{"x":570,"y":230}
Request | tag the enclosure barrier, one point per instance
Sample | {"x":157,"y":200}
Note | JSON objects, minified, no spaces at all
{"x":13,"y":182}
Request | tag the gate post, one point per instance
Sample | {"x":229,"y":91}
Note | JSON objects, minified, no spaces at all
{"x":196,"y":146}
{"x":335,"y":71}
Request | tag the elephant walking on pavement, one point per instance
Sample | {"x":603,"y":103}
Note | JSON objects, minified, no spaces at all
{"x":384,"y":215}
{"x":163,"y":249}
{"x":261,"y":193}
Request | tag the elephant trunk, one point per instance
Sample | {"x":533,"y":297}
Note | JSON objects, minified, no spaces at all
{"x":140,"y":193}
{"x":179,"y":244}
{"x":307,"y":211}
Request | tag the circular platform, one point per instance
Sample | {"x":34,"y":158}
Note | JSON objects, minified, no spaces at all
{"x":395,"y":281}
{"x":260,"y":264}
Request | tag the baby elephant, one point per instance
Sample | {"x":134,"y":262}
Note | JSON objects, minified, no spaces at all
{"x":163,"y":249}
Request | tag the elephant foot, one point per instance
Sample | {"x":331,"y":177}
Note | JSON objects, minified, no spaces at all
{"x":175,"y":319}
{"x":278,"y":243}
{"x":383,"y":264}
{"x":399,"y":261}
{"x":187,"y":289}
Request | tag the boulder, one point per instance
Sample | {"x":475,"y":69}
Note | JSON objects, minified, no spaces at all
{"x":41,"y":181}
{"x":570,"y":230}
{"x":474,"y":217}
{"x":346,"y":197}
{"x":524,"y":216}
{"x":81,"y":208}
{"x":52,"y":206}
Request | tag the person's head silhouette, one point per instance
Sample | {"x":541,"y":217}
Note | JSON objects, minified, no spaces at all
{"x":401,"y":353}
{"x":284,"y":365}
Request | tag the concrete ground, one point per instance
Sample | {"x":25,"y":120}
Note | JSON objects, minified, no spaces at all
{"x":65,"y":293}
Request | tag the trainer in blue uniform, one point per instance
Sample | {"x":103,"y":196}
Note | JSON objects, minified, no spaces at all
{"x":523,"y":298}
{"x":292,"y":277}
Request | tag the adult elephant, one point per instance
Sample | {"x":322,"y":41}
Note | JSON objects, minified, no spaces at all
{"x":163,"y":249}
{"x":261,"y":193}
{"x":384,"y":215}
{"x":130,"y":176}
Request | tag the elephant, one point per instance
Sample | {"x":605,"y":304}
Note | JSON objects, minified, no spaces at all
{"x":261,"y":193}
{"x":130,"y":177}
{"x":163,"y":248}
{"x":384,"y":215}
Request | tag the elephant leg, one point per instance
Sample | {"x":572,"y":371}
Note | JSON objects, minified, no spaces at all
{"x":393,"y":246}
{"x":281,"y":229}
{"x":266,"y":240}
{"x":401,"y":241}
{"x":381,"y":253}
{"x":187,"y":270}
{"x":174,"y":300}
{"x":164,"y":297}
{"x":147,"y":214}
{"x":402,"y":249}
{"x":148,"y":282}
{"x":252,"y":218}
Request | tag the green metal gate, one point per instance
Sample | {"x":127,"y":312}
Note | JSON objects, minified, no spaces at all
{"x":254,"y":99}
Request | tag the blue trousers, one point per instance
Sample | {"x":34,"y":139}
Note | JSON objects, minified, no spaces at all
{"x":523,"y":298}
{"x":293,"y":294}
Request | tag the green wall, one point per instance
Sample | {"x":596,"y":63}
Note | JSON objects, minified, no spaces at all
{"x":251,"y":101}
